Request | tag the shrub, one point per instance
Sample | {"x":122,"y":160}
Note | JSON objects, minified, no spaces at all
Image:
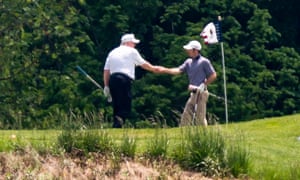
{"x":144,"y":124}
{"x":128,"y":146}
{"x":87,"y":141}
{"x":205,"y":150}
{"x":158,"y":145}
{"x":238,"y":158}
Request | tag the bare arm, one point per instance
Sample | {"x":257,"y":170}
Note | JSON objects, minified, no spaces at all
{"x":211,"y":78}
{"x":172,"y":71}
{"x":161,"y":69}
{"x":149,"y":67}
{"x":106,"y":75}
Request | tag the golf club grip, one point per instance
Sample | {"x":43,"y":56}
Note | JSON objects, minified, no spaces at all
{"x":89,"y":77}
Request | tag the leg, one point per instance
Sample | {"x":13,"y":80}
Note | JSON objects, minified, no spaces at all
{"x":201,"y":109}
{"x":120,"y":87}
{"x":187,"y":115}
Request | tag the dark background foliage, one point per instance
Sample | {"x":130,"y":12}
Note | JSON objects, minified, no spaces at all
{"x":42,"y":42}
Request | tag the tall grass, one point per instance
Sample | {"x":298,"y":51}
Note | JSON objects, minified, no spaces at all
{"x":238,"y":157}
{"x":128,"y":145}
{"x":158,"y":145}
{"x":207,"y":151}
{"x":273,"y":146}
{"x":86,"y":141}
{"x":295,"y":170}
{"x":261,"y":149}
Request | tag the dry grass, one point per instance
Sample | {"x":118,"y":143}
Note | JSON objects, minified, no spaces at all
{"x":28,"y":164}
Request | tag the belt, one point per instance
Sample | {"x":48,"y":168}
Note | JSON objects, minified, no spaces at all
{"x":195,"y":90}
{"x":123,"y":75}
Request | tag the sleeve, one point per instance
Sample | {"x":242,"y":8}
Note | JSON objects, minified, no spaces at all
{"x":107,"y":64}
{"x":138,"y":59}
{"x":209,"y":69}
{"x":183,"y":67}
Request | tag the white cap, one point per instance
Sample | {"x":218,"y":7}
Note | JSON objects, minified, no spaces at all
{"x":129,"y":38}
{"x":193,"y":45}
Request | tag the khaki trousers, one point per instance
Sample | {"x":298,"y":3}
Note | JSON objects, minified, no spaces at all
{"x":192,"y":116}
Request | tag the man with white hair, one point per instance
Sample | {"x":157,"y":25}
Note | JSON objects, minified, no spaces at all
{"x":200,"y":74}
{"x":119,"y":73}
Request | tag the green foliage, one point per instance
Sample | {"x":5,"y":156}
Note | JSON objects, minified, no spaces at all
{"x":238,"y":158}
{"x":86,"y":141}
{"x":294,"y":171}
{"x":207,"y":151}
{"x":259,"y":149}
{"x":77,"y":134}
{"x":42,"y":42}
{"x":144,"y":124}
{"x":128,"y":145}
{"x":202,"y":150}
{"x":158,"y":145}
{"x":36,"y":65}
{"x":66,"y":141}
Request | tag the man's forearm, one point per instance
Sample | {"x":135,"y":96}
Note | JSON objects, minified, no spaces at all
{"x":211,"y":78}
{"x":106,"y":75}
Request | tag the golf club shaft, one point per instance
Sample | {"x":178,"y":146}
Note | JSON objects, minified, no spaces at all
{"x":215,"y":96}
{"x":89,"y":77}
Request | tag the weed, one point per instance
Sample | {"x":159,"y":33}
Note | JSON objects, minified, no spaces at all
{"x":203,"y":149}
{"x":206,"y":150}
{"x":158,"y":145}
{"x":294,"y":171}
{"x":128,"y":145}
{"x":238,"y":158}
{"x":85,"y":140}
{"x":115,"y":161}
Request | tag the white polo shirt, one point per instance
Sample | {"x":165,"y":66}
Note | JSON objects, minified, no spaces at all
{"x":123,"y":59}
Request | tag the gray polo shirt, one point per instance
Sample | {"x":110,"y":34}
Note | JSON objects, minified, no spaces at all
{"x":197,"y":69}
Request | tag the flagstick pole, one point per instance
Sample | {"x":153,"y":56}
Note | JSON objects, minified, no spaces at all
{"x":224,"y":77}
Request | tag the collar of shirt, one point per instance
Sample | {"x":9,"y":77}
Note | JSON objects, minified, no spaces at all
{"x":196,"y":58}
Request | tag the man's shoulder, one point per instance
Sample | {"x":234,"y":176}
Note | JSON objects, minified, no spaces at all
{"x":188,"y":60}
{"x":122,"y":49}
{"x":114,"y":49}
{"x":204,"y":58}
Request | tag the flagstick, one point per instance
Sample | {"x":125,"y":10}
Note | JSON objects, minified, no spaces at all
{"x":224,"y":77}
{"x":207,"y":34}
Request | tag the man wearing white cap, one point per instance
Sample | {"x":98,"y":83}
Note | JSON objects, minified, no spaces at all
{"x":200,"y":74}
{"x":119,"y":72}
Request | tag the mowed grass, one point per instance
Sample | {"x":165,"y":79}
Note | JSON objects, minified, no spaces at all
{"x":272,"y":142}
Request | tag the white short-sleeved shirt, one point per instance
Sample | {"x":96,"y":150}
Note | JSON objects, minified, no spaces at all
{"x":123,"y":59}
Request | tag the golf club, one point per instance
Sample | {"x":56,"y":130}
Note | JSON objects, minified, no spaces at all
{"x":215,"y":96}
{"x":196,"y":104}
{"x":109,"y":99}
{"x":195,"y":108}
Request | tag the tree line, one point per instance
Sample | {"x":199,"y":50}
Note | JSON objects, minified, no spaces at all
{"x":42,"y":42}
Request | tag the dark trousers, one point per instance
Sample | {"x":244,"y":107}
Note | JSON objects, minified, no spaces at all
{"x":120,"y":89}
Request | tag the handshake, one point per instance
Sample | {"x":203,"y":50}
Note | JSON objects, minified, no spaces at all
{"x":160,"y":69}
